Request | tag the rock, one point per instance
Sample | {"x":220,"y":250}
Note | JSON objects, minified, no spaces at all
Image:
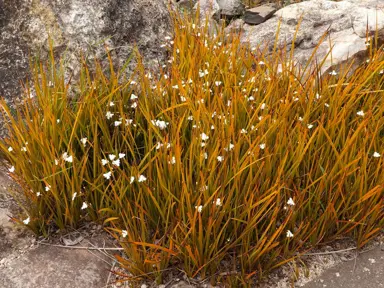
{"x":208,"y":8}
{"x":186,"y":4}
{"x":231,"y":8}
{"x":235,"y":26}
{"x":345,"y":22}
{"x":52,"y":267}
{"x":259,"y":14}
{"x":77,"y":26}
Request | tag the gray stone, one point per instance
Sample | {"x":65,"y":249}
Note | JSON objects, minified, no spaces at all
{"x":52,"y":267}
{"x":24,"y":264}
{"x":208,"y":8}
{"x":231,"y":8}
{"x":343,"y":22}
{"x":77,"y":26}
{"x":259,"y":14}
{"x":366,"y":271}
{"x":236,"y":26}
{"x":186,"y":4}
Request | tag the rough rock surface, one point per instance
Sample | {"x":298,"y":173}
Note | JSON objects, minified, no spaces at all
{"x":231,"y":8}
{"x":25,"y":264}
{"x":345,"y":22}
{"x":208,"y":8}
{"x":77,"y":26}
{"x":186,"y":4}
{"x":259,"y":14}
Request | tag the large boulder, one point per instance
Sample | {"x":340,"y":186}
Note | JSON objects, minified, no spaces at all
{"x":208,"y":8}
{"x":231,"y":8}
{"x":77,"y":26}
{"x":345,"y":23}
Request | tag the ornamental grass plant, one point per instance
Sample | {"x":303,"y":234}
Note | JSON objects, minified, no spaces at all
{"x":226,"y":164}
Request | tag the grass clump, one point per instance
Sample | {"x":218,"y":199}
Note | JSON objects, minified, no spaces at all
{"x":224,"y":161}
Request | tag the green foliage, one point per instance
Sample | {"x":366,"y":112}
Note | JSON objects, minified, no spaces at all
{"x":225,"y":160}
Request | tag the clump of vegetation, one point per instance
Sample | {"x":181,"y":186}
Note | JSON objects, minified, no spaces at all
{"x":229,"y":159}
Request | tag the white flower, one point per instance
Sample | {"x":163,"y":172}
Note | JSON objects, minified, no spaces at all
{"x":190,"y":118}
{"x":133,"y":97}
{"x":107,"y":175}
{"x":56,"y":162}
{"x":23,"y":149}
{"x":262,"y":107}
{"x":109,"y":115}
{"x":160,"y":123}
{"x":134,"y":105}
{"x":183,"y":99}
{"x":67,"y":158}
{"x":26,"y":221}
{"x":124,"y":233}
{"x":262,"y":146}
{"x":376,"y":155}
{"x":199,"y":208}
{"x":111,"y":157}
{"x":218,"y":83}
{"x":38,"y":194}
{"x":128,"y":122}
{"x":159,"y":145}
{"x":243,"y":131}
{"x":261,"y":63}
{"x":204,"y":137}
{"x":230,"y":147}
{"x":104,"y":162}
{"x":84,"y":206}
{"x":333,"y":73}
{"x":310,"y":126}
{"x":175,"y":86}
{"x":116,"y":162}
{"x":121,"y":155}
{"x":12,"y":169}
{"x":111,"y":104}
{"x":117,"y":123}
{"x":58,"y":121}
{"x":173,"y":160}
{"x":218,"y":202}
{"x":10,"y":149}
{"x":220,"y":158}
{"x":141,"y":178}
{"x":48,"y":187}
{"x":205,"y":155}
{"x":289,"y":234}
{"x":84,"y":141}
{"x":74,"y":196}
{"x":132,"y":179}
{"x":291,"y":202}
{"x":360,"y":113}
